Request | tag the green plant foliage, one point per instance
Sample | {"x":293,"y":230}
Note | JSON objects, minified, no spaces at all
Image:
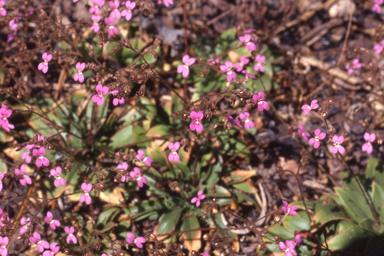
{"x":347,"y":215}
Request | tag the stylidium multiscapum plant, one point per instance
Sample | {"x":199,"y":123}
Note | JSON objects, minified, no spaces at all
{"x":191,"y":128}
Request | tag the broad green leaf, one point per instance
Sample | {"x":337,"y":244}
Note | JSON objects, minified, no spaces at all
{"x":296,"y":223}
{"x":159,"y":130}
{"x":245,"y":186}
{"x":123,"y":137}
{"x":282,"y":232}
{"x":168,"y":221}
{"x":191,"y":239}
{"x":149,"y":109}
{"x":375,"y":171}
{"x":300,"y":205}
{"x":351,"y":239}
{"x":328,"y":213}
{"x":245,"y":198}
{"x":220,"y":192}
{"x":221,"y":222}
{"x":378,"y":200}
{"x":351,"y":183}
{"x":369,"y":225}
{"x":344,"y":225}
{"x":108,"y":214}
{"x":354,"y":204}
{"x":213,"y":175}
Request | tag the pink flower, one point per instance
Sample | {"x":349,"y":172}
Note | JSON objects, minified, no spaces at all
{"x":240,"y":65}
{"x":174,"y":156}
{"x":367,"y":146}
{"x":27,"y":157}
{"x":3,"y":12}
{"x":184,"y":68}
{"x":234,"y":122}
{"x":165,"y":2}
{"x":124,"y":167}
{"x":298,"y":240}
{"x":147,"y":160}
{"x":95,"y":25}
{"x":212,"y":60}
{"x":41,"y":244}
{"x":79,"y":75}
{"x":40,"y":158}
{"x":136,"y":174}
{"x":200,"y":196}
{"x":24,"y":178}
{"x":316,"y":140}
{"x":3,"y":245}
{"x":356,"y":65}
{"x":4,"y":115}
{"x":196,"y":118}
{"x":137,"y":241}
{"x":260,"y":59}
{"x":376,"y":5}
{"x":337,"y":140}
{"x":128,"y":13}
{"x":1,"y":181}
{"x":104,"y":254}
{"x":54,"y":249}
{"x":289,"y":209}
{"x":99,"y":96}
{"x":119,"y":100}
{"x":379,"y":47}
{"x":115,"y":13}
{"x":70,"y":237}
{"x":231,"y":75}
{"x":249,"y":45}
{"x":247,"y":123}
{"x":111,"y":29}
{"x":43,"y":66}
{"x":52,"y":223}
{"x":24,"y":222}
{"x":302,"y":132}
{"x":287,"y":248}
{"x":58,"y":180}
{"x":86,"y":197}
{"x":261,"y":104}
{"x":95,"y":8}
{"x":308,"y":108}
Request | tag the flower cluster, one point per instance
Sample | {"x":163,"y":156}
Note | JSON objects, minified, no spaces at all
{"x":70,"y":237}
{"x":147,"y":160}
{"x":41,"y":244}
{"x":58,"y":180}
{"x":52,"y":223}
{"x":99,"y":96}
{"x":43,"y":66}
{"x":36,"y":151}
{"x":24,"y":178}
{"x":136,"y":175}
{"x":369,"y":138}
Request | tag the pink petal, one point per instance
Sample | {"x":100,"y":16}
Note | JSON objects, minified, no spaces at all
{"x":185,"y":59}
{"x":176,"y":145}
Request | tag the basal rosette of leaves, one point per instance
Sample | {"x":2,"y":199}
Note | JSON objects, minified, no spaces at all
{"x":340,"y":222}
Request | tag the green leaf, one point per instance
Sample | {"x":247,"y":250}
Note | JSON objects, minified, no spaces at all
{"x":378,"y":200}
{"x":159,"y":130}
{"x":370,"y":225}
{"x":191,"y":223}
{"x":145,"y":105}
{"x":351,"y":183}
{"x":351,"y":239}
{"x":344,"y":225}
{"x":122,"y":138}
{"x":245,"y":186}
{"x":296,"y":223}
{"x":328,"y":213}
{"x":375,"y":171}
{"x":108,"y":214}
{"x":354,"y":204}
{"x":300,"y":205}
{"x":282,"y":232}
{"x":168,"y":221}
{"x":220,"y":192}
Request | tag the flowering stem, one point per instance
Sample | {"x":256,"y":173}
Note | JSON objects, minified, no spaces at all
{"x":377,"y":222}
